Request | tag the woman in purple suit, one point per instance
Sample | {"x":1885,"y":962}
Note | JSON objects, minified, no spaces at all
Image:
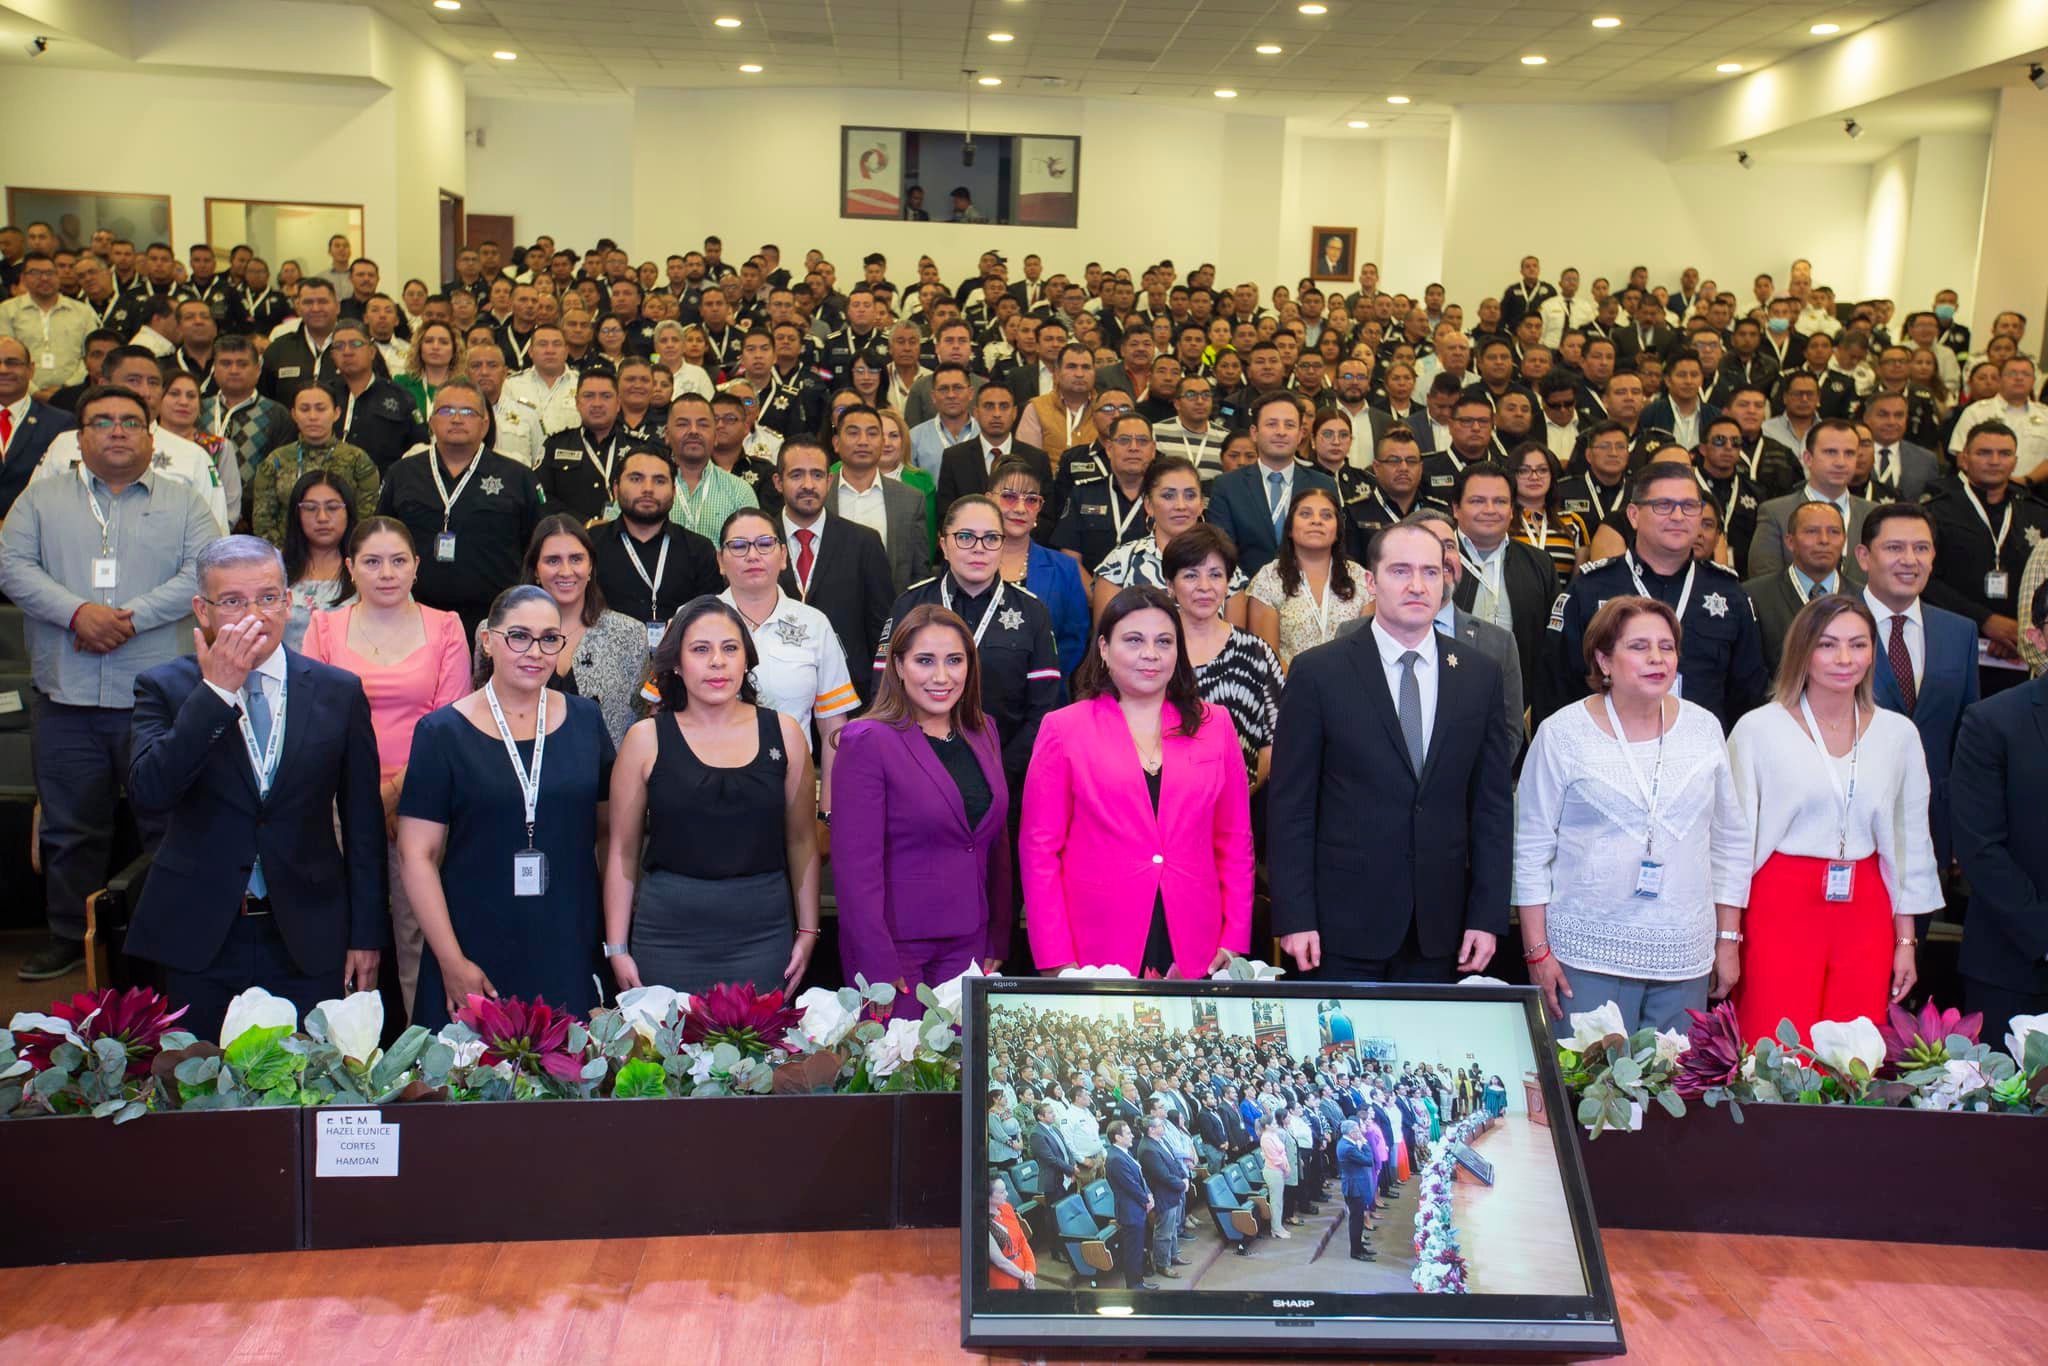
{"x":921,"y":859}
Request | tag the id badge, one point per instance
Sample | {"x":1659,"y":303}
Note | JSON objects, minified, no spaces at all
{"x":1841,"y":880}
{"x":529,"y":873}
{"x":655,"y":631}
{"x":49,"y":361}
{"x":444,"y":547}
{"x":104,"y":572}
{"x":1649,"y":880}
{"x":1997,"y":584}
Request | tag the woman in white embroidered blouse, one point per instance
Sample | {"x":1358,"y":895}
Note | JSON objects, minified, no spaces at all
{"x":1837,"y":791}
{"x":1631,"y":847}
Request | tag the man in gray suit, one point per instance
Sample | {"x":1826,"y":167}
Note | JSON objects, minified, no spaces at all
{"x":1830,"y":466}
{"x":889,"y":507}
{"x":1490,"y":640}
{"x":1899,"y":465}
{"x":1814,"y":546}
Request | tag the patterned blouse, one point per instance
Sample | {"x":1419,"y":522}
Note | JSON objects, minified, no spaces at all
{"x":1140,"y":562}
{"x":1245,"y":680}
{"x":1562,"y":536}
{"x":1305,"y":623}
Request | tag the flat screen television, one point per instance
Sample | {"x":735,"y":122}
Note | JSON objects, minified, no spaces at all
{"x":1484,"y":1241}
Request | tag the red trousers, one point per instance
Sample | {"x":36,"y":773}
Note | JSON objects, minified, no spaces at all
{"x":1805,"y":958}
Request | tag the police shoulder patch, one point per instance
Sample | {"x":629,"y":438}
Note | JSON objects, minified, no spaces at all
{"x":1716,"y":567}
{"x":1557,"y":611}
{"x":1591,"y":565}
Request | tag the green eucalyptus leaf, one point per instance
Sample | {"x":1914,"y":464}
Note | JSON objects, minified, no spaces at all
{"x":67,"y":1056}
{"x":134,"y":1109}
{"x":49,"y":1082}
{"x":197,"y":1071}
{"x":107,"y":1109}
{"x":1673,"y":1103}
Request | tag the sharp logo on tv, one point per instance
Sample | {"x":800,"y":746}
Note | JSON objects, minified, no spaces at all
{"x":1170,"y":1164}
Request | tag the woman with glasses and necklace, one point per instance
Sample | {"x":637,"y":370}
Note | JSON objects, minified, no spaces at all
{"x":498,"y":825}
{"x":1054,"y":579}
{"x":607,"y":652}
{"x":1171,"y":497}
{"x":1540,"y":518}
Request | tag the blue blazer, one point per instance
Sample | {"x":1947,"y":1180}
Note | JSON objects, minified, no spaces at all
{"x":2001,"y":789}
{"x":40,"y":425}
{"x":1948,"y":684}
{"x":1055,"y":580}
{"x":1658,"y":415}
{"x":1356,"y":1170}
{"x":1238,"y":508}
{"x":189,"y":764}
{"x":1127,"y":1180}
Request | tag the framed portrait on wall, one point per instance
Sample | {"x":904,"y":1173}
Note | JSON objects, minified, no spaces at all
{"x":1332,"y":253}
{"x":75,"y":215}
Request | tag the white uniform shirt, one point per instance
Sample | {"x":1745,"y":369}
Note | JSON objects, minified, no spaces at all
{"x":803,"y":669}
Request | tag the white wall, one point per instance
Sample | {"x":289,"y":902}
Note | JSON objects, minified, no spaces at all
{"x":1948,"y":214}
{"x":1888,"y":222}
{"x":1416,"y":201}
{"x":587,"y":189}
{"x":1338,"y":183}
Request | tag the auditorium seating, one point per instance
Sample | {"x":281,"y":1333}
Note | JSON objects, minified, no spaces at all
{"x":1084,"y":1239}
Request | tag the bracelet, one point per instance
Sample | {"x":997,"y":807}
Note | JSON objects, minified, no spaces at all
{"x":1731,"y":936}
{"x":1532,"y":962}
{"x":802,"y":930}
{"x":614,"y":950}
{"x":1908,"y":943}
{"x":1535,"y":954}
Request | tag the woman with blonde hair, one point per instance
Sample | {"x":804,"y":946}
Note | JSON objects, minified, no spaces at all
{"x":434,"y":358}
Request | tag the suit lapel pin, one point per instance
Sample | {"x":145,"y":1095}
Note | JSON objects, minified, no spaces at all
{"x":1450,"y":661}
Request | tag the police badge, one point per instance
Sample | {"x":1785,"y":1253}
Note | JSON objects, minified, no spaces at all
{"x":491,"y":485}
{"x":792,"y":632}
{"x":1716,"y":605}
{"x":1010,"y":619}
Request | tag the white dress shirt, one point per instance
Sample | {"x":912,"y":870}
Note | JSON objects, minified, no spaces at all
{"x":817,"y":530}
{"x":1391,"y":651}
{"x":1916,"y":634}
{"x":1562,"y":315}
{"x":869,"y":508}
{"x":17,"y":413}
{"x":1286,"y":500}
{"x":2029,"y":423}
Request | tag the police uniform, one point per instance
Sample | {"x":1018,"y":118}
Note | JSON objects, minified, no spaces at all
{"x":1076,"y":464}
{"x":1098,"y":519}
{"x":1020,"y":660}
{"x":515,"y":345}
{"x":789,"y":405}
{"x":1440,"y":470}
{"x":1773,"y":467}
{"x":758,"y":475}
{"x":1596,"y":503}
{"x":575,"y":473}
{"x":493,"y":509}
{"x":651,"y":429}
{"x":381,"y":421}
{"x":516,"y":432}
{"x":1979,"y":549}
{"x":204,"y":374}
{"x":1721,"y":661}
{"x":844,"y":344}
{"x":1368,"y":510}
{"x":262,"y":314}
{"x":1642,"y":448}
{"x":221,"y":297}
{"x":1838,"y":396}
{"x":722,"y":352}
{"x":1923,"y":422}
{"x":1737,"y":497}
{"x":480,"y":289}
{"x":639,"y":337}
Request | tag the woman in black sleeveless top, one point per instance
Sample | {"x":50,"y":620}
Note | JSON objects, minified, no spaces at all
{"x":723,"y":792}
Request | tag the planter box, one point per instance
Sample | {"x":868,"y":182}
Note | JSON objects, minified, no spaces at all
{"x":171,"y":1185}
{"x":618,"y":1169}
{"x":1912,"y":1176}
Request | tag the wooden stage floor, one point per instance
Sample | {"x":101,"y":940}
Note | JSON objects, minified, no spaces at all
{"x":893,"y":1298}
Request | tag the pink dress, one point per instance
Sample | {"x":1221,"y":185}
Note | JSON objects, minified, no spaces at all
{"x":400,"y":693}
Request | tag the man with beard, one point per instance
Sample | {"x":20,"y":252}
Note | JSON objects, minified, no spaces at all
{"x":835,"y":565}
{"x":646,"y":564}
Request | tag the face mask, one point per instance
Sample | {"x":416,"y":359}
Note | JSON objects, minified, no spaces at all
{"x":1780,"y":326}
{"x":1945,"y":312}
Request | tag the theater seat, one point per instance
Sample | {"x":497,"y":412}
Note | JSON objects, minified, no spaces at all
{"x":1084,"y":1240}
{"x":13,"y":636}
{"x":1235,"y":1219}
{"x":1249,"y":1193}
{"x":1254,"y":1170}
{"x":17,"y":773}
{"x":1027,"y":1189}
{"x":14,"y":697}
{"x":1101,"y":1200}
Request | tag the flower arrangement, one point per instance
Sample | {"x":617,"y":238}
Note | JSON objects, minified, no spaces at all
{"x":1929,"y":1060}
{"x":1440,"y":1266}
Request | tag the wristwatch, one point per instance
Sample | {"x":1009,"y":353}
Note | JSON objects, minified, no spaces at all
{"x":1732,"y":936}
{"x":614,"y":950}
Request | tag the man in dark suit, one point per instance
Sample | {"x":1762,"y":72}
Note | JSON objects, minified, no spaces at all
{"x":1999,"y":788}
{"x":1402,"y":722}
{"x":836,"y":565}
{"x":27,"y":425}
{"x":1830,"y":461}
{"x":1050,"y":1151}
{"x":1505,"y":582}
{"x":1899,"y":465}
{"x":858,"y":443}
{"x":1133,"y":1205}
{"x":250,"y":887}
{"x":1250,"y":503}
{"x":1526,"y":295}
{"x":1650,"y":334}
{"x":1810,"y":568}
{"x":1926,"y":665}
{"x":964,"y":468}
{"x":1166,"y":1178}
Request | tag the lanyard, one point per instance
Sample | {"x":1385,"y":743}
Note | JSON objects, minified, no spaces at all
{"x":1656,"y":770}
{"x":946,"y":601}
{"x":1490,"y":581}
{"x":1684,"y":589}
{"x":263,"y":763}
{"x":441,"y":485}
{"x":1122,"y":521}
{"x":529,"y":779}
{"x":1999,"y":533}
{"x":1827,"y":762}
{"x":92,"y":501}
{"x":653,"y":583}
{"x":1601,"y":514}
{"x":604,"y":465}
{"x":223,"y":415}
{"x":518,"y":350}
{"x":1542,"y":535}
{"x":1322,"y":604}
{"x":692,"y":503}
{"x":251,"y":306}
{"x":1074,"y":418}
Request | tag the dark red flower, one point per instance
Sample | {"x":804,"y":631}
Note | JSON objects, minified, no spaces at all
{"x":533,"y":1038}
{"x":734,"y":1014}
{"x":137,"y":1018}
{"x":1715,"y":1058}
{"x":1925,"y":1035}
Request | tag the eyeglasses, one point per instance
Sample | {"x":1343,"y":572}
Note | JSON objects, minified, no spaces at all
{"x":987,"y":540}
{"x":1724,"y":441}
{"x":1533,"y":472}
{"x":331,"y":509}
{"x":235,"y":602}
{"x":1012,"y":498}
{"x":1399,"y":461}
{"x":126,"y":424}
{"x":739,"y":547}
{"x":519,"y":640}
{"x":355,"y":345}
{"x":1115,"y":409}
{"x":1130,"y":443}
{"x":1664,"y":507}
{"x":449,"y":411}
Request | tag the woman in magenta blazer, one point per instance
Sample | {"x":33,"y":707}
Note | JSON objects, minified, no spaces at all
{"x":1136,"y":840}
{"x":920,"y":848}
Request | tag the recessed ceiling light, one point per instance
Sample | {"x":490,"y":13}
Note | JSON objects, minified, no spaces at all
{"x":1397,"y":99}
{"x":1002,"y":37}
{"x":448,"y":4}
{"x":1313,"y":9}
{"x":1607,"y":21}
{"x":1534,"y":60}
{"x":1358,"y":123}
{"x":1267,"y":49}
{"x":990,"y":80}
{"x":726,"y":21}
{"x":1226,"y":94}
{"x":1729,"y":68}
{"x":750,"y":68}
{"x":1824,"y":30}
{"x":505,"y":56}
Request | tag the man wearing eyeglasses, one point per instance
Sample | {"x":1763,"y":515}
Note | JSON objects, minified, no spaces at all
{"x":100,"y":561}
{"x":1189,"y":433}
{"x":1720,"y":660}
{"x":965,"y":466}
{"x":1717,"y":465}
{"x":137,"y":370}
{"x":377,"y":417}
{"x":27,"y":425}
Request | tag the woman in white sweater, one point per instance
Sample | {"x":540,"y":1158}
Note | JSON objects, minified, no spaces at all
{"x":1843,"y":858}
{"x":1631,"y":848}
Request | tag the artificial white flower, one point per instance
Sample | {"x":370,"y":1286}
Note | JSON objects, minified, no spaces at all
{"x":647,"y":1008}
{"x":1591,"y":1026}
{"x":468,"y":1051}
{"x":1671,"y":1043}
{"x":1838,"y":1044}
{"x":949,"y":993}
{"x":826,"y":1022}
{"x":896,"y":1046}
{"x":2016,"y":1039}
{"x":355,"y":1025}
{"x":256,"y":1009}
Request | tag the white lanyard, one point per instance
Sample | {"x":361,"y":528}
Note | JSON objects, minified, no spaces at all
{"x":529,"y":779}
{"x":692,"y":503}
{"x":223,"y":415}
{"x":1656,"y":770}
{"x":441,"y":485}
{"x":653,"y":584}
{"x":1601,"y":514}
{"x":1827,"y":762}
{"x":1129,"y":514}
{"x":1322,"y":605}
{"x":1542,"y":537}
{"x":946,"y":601}
{"x":1074,"y":418}
{"x":604,"y":465}
{"x":1999,"y":533}
{"x":92,"y":501}
{"x":1491,"y":581}
{"x":250,"y":306}
{"x":263,"y":763}
{"x":513,"y":345}
{"x":1684,"y":589}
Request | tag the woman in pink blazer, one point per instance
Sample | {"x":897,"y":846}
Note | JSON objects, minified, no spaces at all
{"x":1136,"y":840}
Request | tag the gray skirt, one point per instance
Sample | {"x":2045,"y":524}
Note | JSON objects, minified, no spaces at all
{"x":693,"y":933}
